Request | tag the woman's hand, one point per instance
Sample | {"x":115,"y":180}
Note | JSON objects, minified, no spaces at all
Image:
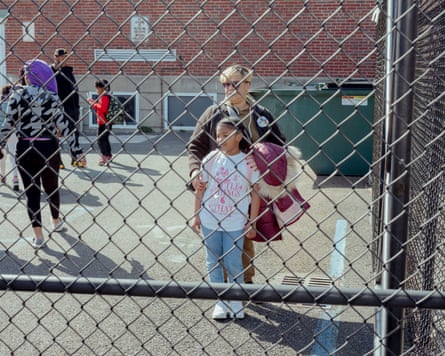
{"x":197,"y":183}
{"x":250,"y":160}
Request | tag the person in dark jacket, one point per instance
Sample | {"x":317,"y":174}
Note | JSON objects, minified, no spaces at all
{"x":258,"y":121}
{"x":68,"y":93}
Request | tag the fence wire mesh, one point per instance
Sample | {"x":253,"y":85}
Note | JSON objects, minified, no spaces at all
{"x":128,"y":275}
{"x":425,"y":258}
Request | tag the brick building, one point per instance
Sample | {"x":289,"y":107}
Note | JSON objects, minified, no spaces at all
{"x":158,"y":54}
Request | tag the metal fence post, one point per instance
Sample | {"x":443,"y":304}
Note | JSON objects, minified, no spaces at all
{"x":404,"y":74}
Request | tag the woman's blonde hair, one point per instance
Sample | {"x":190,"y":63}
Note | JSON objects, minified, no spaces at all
{"x":244,"y":71}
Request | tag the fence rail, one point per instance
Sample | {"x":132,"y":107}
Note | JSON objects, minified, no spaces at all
{"x":207,"y":290}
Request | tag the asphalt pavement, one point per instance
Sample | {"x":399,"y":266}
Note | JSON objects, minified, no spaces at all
{"x":130,"y":220}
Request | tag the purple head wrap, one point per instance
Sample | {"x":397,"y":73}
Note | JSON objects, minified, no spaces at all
{"x":39,"y":73}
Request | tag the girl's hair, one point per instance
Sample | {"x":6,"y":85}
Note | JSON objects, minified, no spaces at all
{"x":103,"y":83}
{"x":237,"y":125}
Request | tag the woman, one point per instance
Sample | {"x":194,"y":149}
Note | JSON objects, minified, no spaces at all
{"x":101,"y":105}
{"x":258,"y":121}
{"x":35,"y":114}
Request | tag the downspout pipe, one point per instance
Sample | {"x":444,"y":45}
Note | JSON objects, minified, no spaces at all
{"x":382,"y":315}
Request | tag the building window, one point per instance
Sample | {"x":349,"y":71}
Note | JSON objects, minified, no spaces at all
{"x":182,"y":110}
{"x":129,"y":118}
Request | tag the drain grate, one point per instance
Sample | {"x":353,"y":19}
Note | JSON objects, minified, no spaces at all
{"x":293,"y":280}
{"x":313,"y":281}
{"x":309,"y":281}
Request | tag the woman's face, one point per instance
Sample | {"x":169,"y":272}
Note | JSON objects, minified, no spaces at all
{"x":235,"y":88}
{"x":100,"y":90}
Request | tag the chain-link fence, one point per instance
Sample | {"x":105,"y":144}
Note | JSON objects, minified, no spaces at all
{"x":409,"y":165}
{"x":356,"y":86}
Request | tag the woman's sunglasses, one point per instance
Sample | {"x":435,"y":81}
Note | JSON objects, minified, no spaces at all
{"x":235,"y":85}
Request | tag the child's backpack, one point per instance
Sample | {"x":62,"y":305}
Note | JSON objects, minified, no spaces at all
{"x":114,"y":109}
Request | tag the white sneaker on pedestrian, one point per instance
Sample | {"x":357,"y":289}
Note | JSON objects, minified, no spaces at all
{"x":236,"y":309}
{"x":220,"y":311}
{"x":59,"y":226}
{"x":37,"y":243}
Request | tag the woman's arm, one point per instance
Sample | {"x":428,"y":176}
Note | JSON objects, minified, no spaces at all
{"x":11,"y":115}
{"x":200,"y":145}
{"x":196,"y":225}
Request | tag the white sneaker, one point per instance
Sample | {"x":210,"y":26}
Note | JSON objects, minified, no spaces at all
{"x":237,"y":310}
{"x":220,"y":311}
{"x":59,"y":226}
{"x":37,"y":243}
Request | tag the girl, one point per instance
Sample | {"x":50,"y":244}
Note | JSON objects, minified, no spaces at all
{"x":35,"y":114}
{"x":101,"y":105}
{"x":222,"y":208}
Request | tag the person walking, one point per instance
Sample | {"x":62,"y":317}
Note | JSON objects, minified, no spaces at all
{"x":258,"y":121}
{"x":101,"y":105}
{"x":222,"y":209}
{"x":69,"y":95}
{"x":35,"y":113}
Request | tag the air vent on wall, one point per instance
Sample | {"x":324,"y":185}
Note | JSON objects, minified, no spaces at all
{"x":130,"y":55}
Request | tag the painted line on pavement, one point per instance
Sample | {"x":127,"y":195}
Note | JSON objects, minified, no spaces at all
{"x":327,"y":329}
{"x":185,"y":244}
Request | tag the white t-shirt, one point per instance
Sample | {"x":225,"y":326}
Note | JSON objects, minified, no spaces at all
{"x":227,"y":196}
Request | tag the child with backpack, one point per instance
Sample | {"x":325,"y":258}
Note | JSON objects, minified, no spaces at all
{"x":102,"y":107}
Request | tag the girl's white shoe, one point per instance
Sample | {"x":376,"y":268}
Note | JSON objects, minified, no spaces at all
{"x":237,"y":310}
{"x":220,"y":311}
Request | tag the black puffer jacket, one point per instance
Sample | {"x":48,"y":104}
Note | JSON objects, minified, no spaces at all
{"x":67,"y":88}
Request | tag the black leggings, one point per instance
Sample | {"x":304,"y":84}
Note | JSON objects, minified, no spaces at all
{"x":103,"y":139}
{"x":38,"y":164}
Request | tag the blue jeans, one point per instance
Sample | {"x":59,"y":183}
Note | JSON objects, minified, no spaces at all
{"x":224,"y":249}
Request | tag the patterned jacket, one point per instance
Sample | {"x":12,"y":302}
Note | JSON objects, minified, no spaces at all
{"x":33,"y":111}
